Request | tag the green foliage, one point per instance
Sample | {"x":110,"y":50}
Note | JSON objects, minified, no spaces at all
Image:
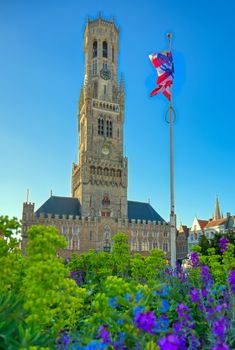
{"x":52,"y":298}
{"x":120,"y":254}
{"x":14,"y":332}
{"x":204,"y":244}
{"x":11,"y":260}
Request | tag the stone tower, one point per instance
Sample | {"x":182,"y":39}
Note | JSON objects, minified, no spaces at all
{"x":99,"y":180}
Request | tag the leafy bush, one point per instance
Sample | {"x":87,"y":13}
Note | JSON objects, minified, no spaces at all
{"x":103,"y":300}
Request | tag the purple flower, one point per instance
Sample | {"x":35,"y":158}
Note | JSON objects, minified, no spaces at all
{"x":195,"y":297}
{"x":206,"y":277}
{"x":72,"y":274}
{"x":204,"y":293}
{"x":223,"y":244}
{"x":219,"y":328}
{"x":145,"y":321}
{"x":231,"y":281}
{"x":220,"y":346}
{"x":170,"y":342}
{"x":176,"y":327}
{"x":119,"y":344}
{"x":194,"y":259}
{"x":104,"y":334}
{"x":182,"y":310}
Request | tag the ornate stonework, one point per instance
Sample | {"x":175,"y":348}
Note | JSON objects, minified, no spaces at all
{"x":98,"y":207}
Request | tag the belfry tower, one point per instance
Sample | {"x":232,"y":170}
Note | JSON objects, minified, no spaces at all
{"x":99,"y":180}
{"x":99,"y":208}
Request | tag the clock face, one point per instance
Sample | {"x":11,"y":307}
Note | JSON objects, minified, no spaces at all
{"x":105,"y":74}
{"x":105,"y":150}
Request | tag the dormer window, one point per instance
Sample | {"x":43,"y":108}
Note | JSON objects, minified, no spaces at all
{"x":105,"y":49}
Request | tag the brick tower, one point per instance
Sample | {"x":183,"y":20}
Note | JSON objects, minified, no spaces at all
{"x":99,"y":180}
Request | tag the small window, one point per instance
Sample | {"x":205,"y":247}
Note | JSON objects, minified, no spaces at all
{"x":95,"y":89}
{"x":95,"y":49}
{"x":109,"y":128}
{"x":105,"y":49}
{"x":155,"y":245}
{"x":165,"y":247}
{"x":101,"y":126}
{"x":105,"y":66}
{"x":113,"y":54}
{"x":105,"y":89}
{"x":75,"y":230}
{"x":94,"y":67}
{"x":90,"y":235}
{"x":64,"y":230}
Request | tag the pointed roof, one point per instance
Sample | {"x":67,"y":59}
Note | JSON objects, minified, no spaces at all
{"x":217,"y":215}
{"x":183,"y":229}
{"x":202,"y":223}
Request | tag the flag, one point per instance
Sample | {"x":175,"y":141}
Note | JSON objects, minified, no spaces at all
{"x":163,"y":62}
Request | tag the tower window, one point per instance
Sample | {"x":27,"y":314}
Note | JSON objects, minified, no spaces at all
{"x":109,"y":128}
{"x":114,"y":93}
{"x":101,"y":126}
{"x":113,"y":54}
{"x":94,"y":67}
{"x":105,"y":66}
{"x":95,"y":91}
{"x":94,"y":54}
{"x":105,"y":90}
{"x":105,"y":49}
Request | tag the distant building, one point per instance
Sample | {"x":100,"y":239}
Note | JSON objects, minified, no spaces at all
{"x":208,"y":228}
{"x":197,"y":229}
{"x":182,"y":242}
{"x":99,"y":208}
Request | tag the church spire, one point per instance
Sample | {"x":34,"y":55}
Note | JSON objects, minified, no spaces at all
{"x":217,"y":210}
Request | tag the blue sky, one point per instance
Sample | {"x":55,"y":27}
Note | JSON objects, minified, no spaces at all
{"x":41,"y":72}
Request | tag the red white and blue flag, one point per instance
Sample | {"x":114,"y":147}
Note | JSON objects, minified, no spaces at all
{"x":163,"y":62}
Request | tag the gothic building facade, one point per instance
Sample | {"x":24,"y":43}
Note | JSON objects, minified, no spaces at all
{"x":98,"y":207}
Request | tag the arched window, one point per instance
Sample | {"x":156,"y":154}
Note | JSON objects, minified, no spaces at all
{"x":94,"y":67}
{"x":144,"y":245}
{"x":114,"y":93}
{"x":95,"y":45}
{"x":155,"y":244}
{"x":165,"y":247}
{"x":75,"y":243}
{"x":105,"y":49}
{"x":101,"y":126}
{"x":112,"y":53}
{"x":134,"y":244}
{"x":95,"y":90}
{"x":109,"y":128}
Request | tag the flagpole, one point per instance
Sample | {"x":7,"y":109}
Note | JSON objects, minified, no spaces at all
{"x":172,"y":197}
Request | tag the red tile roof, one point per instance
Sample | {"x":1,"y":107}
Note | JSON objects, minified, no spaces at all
{"x":215,"y":223}
{"x":202,"y":223}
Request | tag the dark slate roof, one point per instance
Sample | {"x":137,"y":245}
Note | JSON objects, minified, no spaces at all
{"x":71,"y":206}
{"x":60,"y":206}
{"x":142,"y":211}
